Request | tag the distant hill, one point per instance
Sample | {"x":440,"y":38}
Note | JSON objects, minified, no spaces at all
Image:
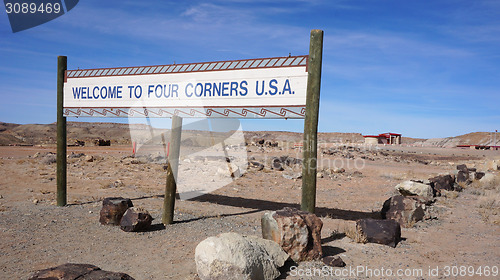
{"x":36,"y":134}
{"x":474,"y":138}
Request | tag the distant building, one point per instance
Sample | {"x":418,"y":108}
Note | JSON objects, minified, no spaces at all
{"x":384,"y":138}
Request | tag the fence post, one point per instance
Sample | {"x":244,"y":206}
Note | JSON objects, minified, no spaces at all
{"x":309,"y":165}
{"x":62,"y":65}
{"x":172,"y":167}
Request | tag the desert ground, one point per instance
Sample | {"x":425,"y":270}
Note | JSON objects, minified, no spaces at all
{"x":463,"y":229}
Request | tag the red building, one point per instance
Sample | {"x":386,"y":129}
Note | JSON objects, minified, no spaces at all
{"x":384,"y":138}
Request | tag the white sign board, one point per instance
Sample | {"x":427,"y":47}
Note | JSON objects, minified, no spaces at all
{"x":254,"y":88}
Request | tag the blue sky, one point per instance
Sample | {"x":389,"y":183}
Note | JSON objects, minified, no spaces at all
{"x":421,"y":68}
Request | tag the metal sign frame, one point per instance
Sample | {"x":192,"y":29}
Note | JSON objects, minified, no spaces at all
{"x":310,"y":113}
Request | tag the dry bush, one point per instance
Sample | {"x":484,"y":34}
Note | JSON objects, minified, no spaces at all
{"x":450,"y":194}
{"x":489,"y":202}
{"x":352,"y":233}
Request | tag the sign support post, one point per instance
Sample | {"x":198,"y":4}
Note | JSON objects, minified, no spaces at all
{"x":172,"y":170}
{"x":310,"y":159}
{"x":61,"y":133}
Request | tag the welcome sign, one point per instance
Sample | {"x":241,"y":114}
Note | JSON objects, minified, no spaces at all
{"x":253,"y":88}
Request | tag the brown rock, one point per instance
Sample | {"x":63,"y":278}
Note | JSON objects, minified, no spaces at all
{"x":386,"y":232}
{"x":333,"y":261}
{"x":404,"y":210}
{"x":479,"y":175}
{"x":113,"y":209}
{"x":442,"y":182}
{"x":297,"y":232}
{"x":462,"y":167}
{"x":277,"y":164}
{"x":72,"y":271}
{"x":135,"y":219}
{"x":256,"y":165}
{"x":463,"y":177}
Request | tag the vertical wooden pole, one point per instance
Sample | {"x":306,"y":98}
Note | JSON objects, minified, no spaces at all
{"x":61,"y":133}
{"x":172,"y":167}
{"x":309,"y":165}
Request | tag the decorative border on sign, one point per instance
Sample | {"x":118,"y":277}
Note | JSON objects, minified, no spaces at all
{"x":273,"y":62}
{"x":279,"y":112}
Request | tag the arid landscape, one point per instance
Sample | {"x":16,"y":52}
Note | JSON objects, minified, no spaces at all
{"x":461,"y":228}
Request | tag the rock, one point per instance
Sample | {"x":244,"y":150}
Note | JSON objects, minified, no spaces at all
{"x":404,"y":210}
{"x":297,"y":232}
{"x":89,"y":158}
{"x":72,"y":271}
{"x":49,"y":158}
{"x":338,"y":170}
{"x":135,"y":219}
{"x":113,"y":209}
{"x":489,"y":180}
{"x":292,"y":175}
{"x":357,"y":174}
{"x":442,"y":182}
{"x":479,"y":175}
{"x":319,"y":174}
{"x":276,"y":164}
{"x":386,"y":232}
{"x":492,"y":165}
{"x":411,"y":188}
{"x":233,"y":256}
{"x":290,"y":161}
{"x":463,"y":177}
{"x":462,"y":167}
{"x":333,"y":261}
{"x":77,"y":155}
{"x":256,"y":165}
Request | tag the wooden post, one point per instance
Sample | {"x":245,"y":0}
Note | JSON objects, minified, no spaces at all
{"x":309,"y":165}
{"x":62,"y":65}
{"x":172,"y":167}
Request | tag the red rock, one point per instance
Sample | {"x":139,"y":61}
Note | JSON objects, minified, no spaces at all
{"x":405,"y":210}
{"x":135,"y":219}
{"x":386,"y":232}
{"x":297,"y":232}
{"x":113,"y":209}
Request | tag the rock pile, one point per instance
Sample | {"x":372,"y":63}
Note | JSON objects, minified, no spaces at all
{"x":415,"y":196}
{"x":121,"y":212}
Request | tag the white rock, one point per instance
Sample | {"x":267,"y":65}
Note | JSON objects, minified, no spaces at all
{"x":492,"y":165}
{"x":233,"y":256}
{"x":488,"y":180}
{"x":415,"y":188}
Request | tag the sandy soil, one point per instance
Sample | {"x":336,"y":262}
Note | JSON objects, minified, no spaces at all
{"x":35,"y":234}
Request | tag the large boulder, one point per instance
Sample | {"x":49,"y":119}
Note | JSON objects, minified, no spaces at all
{"x":386,"y":232}
{"x":135,"y":219}
{"x":297,"y":232}
{"x":490,"y":180}
{"x":232,"y":256}
{"x":442,"y":182}
{"x":412,"y":188}
{"x":113,"y":209}
{"x":71,"y":271}
{"x":404,"y":210}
